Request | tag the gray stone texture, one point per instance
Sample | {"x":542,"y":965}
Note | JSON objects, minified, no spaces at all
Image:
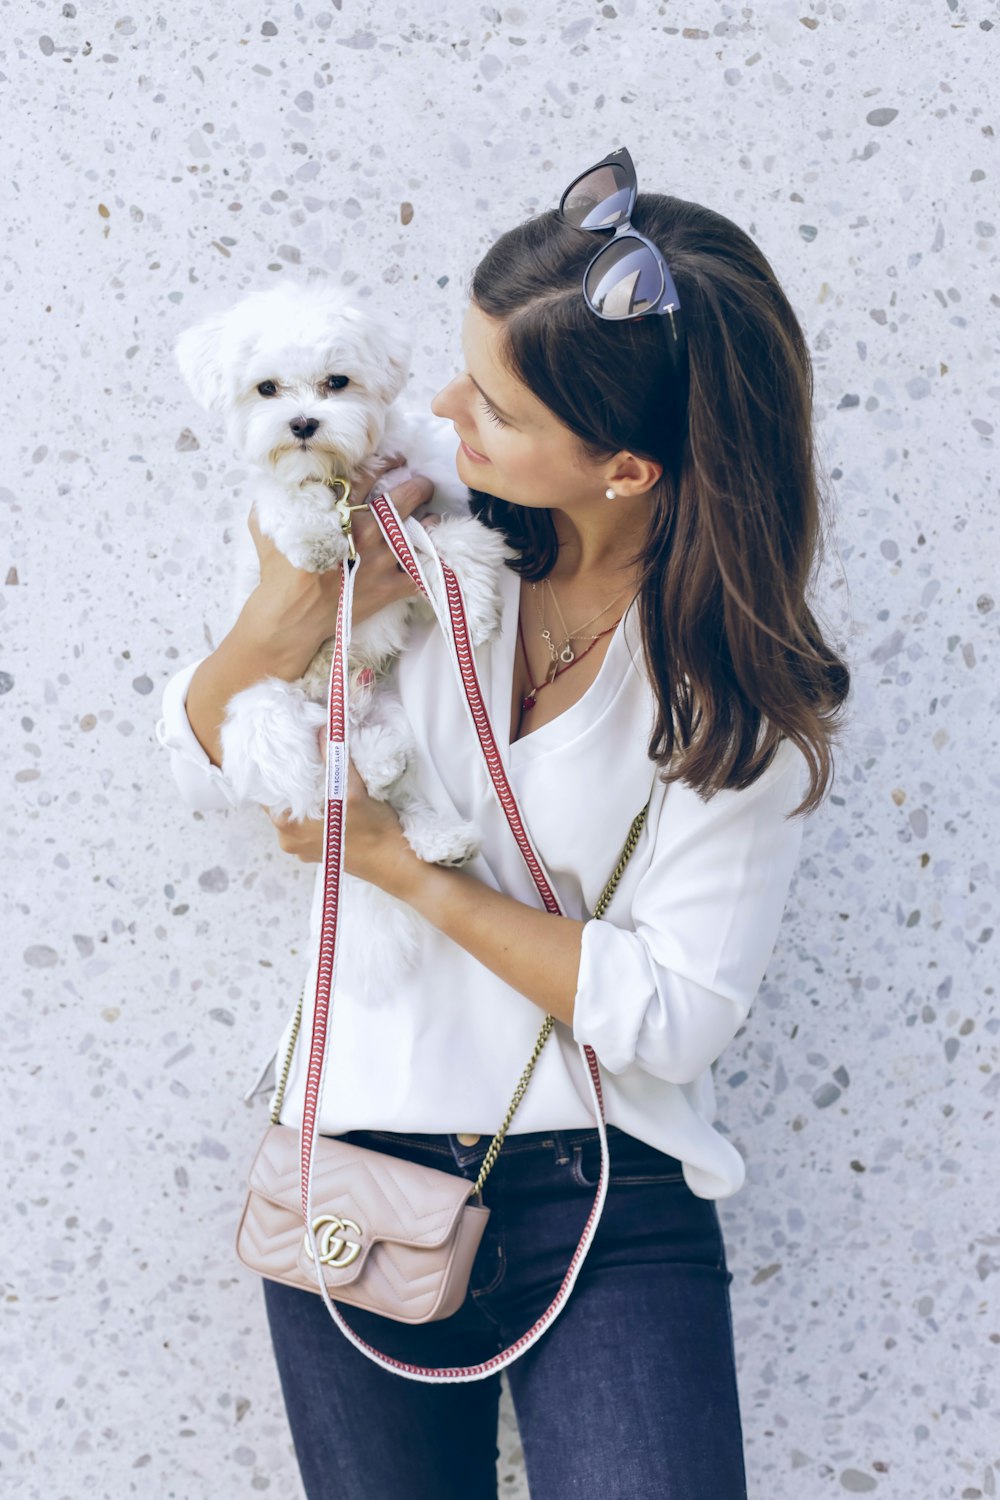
{"x":160,"y":162}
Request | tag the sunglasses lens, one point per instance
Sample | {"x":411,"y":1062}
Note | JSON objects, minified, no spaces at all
{"x":599,"y":200}
{"x":625,"y":280}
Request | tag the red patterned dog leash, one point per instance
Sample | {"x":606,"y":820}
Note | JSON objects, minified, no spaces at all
{"x":452,"y":617}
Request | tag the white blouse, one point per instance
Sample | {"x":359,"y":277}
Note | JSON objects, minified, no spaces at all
{"x":666,"y":977}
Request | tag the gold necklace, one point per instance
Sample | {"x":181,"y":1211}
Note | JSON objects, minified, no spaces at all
{"x":565,"y":652}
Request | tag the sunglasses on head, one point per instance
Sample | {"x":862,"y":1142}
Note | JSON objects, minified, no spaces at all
{"x":628,"y":277}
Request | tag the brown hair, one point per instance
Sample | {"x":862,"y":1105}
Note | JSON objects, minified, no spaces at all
{"x":735,"y":656}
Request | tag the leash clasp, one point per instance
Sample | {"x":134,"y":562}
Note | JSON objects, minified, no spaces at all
{"x":345,"y":511}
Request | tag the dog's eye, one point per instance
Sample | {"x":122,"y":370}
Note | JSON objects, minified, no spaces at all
{"x":337,"y":382}
{"x":267,"y":388}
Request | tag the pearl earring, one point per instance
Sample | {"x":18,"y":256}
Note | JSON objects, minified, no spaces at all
{"x":611,"y":494}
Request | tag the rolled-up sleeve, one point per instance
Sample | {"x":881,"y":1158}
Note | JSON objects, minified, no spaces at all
{"x":668,"y":990}
{"x":201,"y":783}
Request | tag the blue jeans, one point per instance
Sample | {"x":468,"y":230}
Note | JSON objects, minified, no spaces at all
{"x":629,"y":1394}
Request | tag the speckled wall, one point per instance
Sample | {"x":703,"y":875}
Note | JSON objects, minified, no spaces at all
{"x":156,"y":164}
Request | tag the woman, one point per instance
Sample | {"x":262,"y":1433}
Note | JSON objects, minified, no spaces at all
{"x":652,"y":466}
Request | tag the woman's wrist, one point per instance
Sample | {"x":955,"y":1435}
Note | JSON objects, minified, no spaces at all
{"x":246,"y":655}
{"x":280,"y":648}
{"x":535,"y":952}
{"x":290,"y":634}
{"x":285,"y":641}
{"x":292,"y":612}
{"x":437,"y":892}
{"x":265,"y":641}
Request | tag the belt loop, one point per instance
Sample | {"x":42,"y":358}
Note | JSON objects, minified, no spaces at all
{"x":560,"y":1148}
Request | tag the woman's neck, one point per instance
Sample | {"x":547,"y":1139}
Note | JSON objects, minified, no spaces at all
{"x":600,"y":541}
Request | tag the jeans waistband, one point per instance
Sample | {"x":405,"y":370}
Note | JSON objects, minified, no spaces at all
{"x":557,"y":1144}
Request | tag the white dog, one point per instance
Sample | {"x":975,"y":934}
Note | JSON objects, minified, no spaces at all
{"x":307,"y":382}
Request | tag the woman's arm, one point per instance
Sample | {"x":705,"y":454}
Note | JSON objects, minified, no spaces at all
{"x":534,"y":951}
{"x":291,"y":613}
{"x":202,"y":785}
{"x":287,"y":617}
{"x":669,"y":991}
{"x":249,"y":652}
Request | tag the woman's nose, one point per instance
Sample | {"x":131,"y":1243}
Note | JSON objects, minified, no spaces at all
{"x":443,"y":404}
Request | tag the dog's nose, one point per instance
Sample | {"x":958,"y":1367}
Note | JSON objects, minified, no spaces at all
{"x":303,"y":427}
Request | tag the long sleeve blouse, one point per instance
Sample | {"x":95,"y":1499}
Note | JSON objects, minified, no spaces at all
{"x":666,"y":977}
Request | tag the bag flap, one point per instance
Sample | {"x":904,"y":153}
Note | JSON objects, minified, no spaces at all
{"x":388,"y":1197}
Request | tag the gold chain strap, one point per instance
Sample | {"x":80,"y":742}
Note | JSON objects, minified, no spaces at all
{"x":543,"y":1036}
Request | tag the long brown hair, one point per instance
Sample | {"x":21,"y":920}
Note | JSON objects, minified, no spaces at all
{"x":735,"y":656}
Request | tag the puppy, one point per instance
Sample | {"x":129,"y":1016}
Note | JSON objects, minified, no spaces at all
{"x":307,"y":382}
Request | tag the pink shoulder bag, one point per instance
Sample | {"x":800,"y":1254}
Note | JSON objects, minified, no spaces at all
{"x":355,"y":1225}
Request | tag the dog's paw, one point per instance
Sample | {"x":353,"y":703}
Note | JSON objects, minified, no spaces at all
{"x":318,"y":553}
{"x":440,"y":841}
{"x":477,"y":556}
{"x":380,"y":756}
{"x":270,"y":751}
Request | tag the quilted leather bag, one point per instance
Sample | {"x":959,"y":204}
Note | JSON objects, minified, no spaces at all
{"x":355,"y":1225}
{"x":396,"y":1237}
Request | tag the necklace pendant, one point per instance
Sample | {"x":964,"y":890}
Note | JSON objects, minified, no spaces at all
{"x":567,"y":654}
{"x":553,"y":671}
{"x":528,"y":702}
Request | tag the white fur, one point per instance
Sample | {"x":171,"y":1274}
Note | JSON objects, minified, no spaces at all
{"x":297,"y":335}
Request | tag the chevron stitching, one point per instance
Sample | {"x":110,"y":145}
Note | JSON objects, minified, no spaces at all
{"x":388,"y":520}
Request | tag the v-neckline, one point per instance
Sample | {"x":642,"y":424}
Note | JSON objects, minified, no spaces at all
{"x":566,"y":725}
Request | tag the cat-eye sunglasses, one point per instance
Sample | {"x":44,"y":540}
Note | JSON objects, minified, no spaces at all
{"x":628,"y":277}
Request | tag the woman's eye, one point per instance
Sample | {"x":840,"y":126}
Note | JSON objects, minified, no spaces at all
{"x":267,"y":388}
{"x":337,"y":382}
{"x":493,"y":416}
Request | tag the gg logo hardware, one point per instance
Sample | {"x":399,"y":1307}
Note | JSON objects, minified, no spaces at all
{"x":331,"y":1243}
{"x":344,"y":511}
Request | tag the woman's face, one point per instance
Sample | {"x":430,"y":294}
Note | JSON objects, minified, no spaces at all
{"x":512,"y":446}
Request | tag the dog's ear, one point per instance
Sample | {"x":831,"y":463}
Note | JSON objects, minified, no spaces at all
{"x":199,"y":355}
{"x":396,"y":352}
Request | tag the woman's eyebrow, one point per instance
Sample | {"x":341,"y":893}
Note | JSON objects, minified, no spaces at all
{"x":498,"y":409}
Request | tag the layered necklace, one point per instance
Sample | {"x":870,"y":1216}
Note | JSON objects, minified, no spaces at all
{"x":562,"y":656}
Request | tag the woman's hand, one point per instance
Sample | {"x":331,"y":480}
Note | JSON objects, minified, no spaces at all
{"x":302,"y":837}
{"x":375,"y":848}
{"x":296,"y":611}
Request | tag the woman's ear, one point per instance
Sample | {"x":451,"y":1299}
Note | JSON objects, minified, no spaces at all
{"x":634,"y":476}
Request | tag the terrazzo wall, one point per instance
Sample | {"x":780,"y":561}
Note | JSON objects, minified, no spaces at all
{"x":160,"y":162}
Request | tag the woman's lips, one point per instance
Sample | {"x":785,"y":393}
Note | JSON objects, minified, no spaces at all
{"x":470,"y":453}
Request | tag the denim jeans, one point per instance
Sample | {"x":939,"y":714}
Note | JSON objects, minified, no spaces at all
{"x":629,"y":1394}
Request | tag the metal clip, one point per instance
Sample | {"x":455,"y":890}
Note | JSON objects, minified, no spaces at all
{"x":345,"y":511}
